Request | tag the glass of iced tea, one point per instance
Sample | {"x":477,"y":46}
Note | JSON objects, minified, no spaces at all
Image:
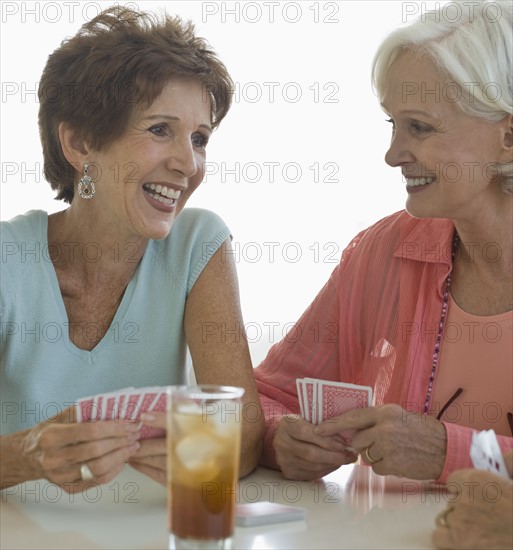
{"x":203,"y":438}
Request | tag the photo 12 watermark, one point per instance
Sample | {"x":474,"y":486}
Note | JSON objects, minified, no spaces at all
{"x":271,"y":12}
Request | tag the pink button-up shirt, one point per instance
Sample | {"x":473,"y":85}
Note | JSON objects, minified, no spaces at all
{"x":374,"y":323}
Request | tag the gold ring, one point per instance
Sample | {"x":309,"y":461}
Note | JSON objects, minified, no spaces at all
{"x":442,"y":518}
{"x":370,"y":460}
{"x":85,"y":473}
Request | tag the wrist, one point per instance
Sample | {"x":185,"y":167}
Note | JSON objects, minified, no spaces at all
{"x":439,"y":448}
{"x":14,"y":465}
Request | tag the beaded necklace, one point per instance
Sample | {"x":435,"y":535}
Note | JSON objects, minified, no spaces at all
{"x":441,"y":324}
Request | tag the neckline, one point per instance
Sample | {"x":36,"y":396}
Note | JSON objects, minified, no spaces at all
{"x":486,"y":318}
{"x":114,"y":328}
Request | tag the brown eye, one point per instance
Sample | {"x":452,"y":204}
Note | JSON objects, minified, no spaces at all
{"x":199,"y":140}
{"x":158,"y":130}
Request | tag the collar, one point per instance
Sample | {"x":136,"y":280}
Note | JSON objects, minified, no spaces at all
{"x":429,"y":241}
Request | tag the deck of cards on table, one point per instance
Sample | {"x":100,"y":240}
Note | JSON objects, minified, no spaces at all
{"x":124,"y":404}
{"x":320,"y":400}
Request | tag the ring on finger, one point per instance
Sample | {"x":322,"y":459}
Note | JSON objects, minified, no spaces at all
{"x":442,"y":518}
{"x":85,"y":473}
{"x":368,"y":457}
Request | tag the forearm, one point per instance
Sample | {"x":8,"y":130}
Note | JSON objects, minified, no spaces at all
{"x":251,"y":448}
{"x":14,"y":468}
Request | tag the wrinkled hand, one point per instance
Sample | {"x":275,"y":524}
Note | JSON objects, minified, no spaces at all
{"x":151,"y":458}
{"x":304,"y":455}
{"x":57,"y":448}
{"x":480,"y":515}
{"x":393,"y":440}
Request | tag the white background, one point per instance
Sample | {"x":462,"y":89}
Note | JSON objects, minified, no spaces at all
{"x":319,"y":109}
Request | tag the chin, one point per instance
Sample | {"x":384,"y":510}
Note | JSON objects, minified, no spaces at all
{"x":157,"y":231}
{"x":420,"y":211}
{"x":160,"y":234}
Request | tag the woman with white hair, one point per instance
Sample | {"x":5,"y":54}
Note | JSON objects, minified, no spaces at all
{"x":420,"y":307}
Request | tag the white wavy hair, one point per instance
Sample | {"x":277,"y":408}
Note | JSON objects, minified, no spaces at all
{"x":472,"y":44}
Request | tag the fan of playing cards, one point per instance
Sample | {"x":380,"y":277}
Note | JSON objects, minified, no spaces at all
{"x":320,"y":400}
{"x":125,"y":404}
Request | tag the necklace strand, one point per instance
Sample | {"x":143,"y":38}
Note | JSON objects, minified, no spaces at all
{"x":441,"y":324}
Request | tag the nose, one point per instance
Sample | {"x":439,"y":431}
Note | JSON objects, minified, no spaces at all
{"x":182,"y":158}
{"x":398,"y":153}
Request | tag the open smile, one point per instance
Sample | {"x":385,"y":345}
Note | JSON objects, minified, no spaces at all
{"x":161,"y":193}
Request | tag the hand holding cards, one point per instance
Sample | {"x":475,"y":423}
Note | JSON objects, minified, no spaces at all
{"x":320,"y":400}
{"x":124,"y":404}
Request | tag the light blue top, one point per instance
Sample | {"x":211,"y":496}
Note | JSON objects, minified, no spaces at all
{"x":42,"y":371}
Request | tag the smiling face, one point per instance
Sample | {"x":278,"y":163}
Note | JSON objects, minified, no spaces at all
{"x":144,"y":179}
{"x":444,"y":154}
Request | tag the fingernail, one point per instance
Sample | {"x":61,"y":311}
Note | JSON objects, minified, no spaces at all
{"x":134,"y":447}
{"x":147,"y":417}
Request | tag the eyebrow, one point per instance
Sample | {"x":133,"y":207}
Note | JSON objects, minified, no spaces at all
{"x":414,"y":112}
{"x":175,"y":119}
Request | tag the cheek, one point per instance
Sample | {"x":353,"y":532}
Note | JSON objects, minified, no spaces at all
{"x":196,"y":180}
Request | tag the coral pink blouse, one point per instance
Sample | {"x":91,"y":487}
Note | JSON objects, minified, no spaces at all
{"x":375,"y":323}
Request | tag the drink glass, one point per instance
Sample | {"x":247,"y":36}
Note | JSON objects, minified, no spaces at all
{"x":203,"y":438}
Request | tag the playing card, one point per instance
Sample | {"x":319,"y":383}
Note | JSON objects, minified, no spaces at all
{"x":125,"y":404}
{"x":97,"y":408}
{"x":336,"y":398}
{"x":84,"y":409}
{"x":111,"y":406}
{"x":310,"y":399}
{"x":299,"y":387}
{"x":320,"y":400}
{"x":159,"y":404}
{"x":148,"y":398}
{"x":485,"y":453}
{"x":131,"y":405}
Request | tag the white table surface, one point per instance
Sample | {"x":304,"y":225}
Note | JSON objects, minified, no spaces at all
{"x":350,"y":508}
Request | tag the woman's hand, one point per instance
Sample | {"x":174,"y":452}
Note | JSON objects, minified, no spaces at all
{"x":57,"y":449}
{"x":304,"y":455}
{"x":394,"y":441}
{"x":480,"y":515}
{"x":151,"y":458}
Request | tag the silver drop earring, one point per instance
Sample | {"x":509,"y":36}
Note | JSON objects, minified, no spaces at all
{"x":86,"y":187}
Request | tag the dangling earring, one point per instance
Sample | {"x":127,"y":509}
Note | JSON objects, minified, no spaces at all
{"x":86,"y":187}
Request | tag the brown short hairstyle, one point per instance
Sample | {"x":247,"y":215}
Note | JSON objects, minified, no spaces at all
{"x":117,"y":62}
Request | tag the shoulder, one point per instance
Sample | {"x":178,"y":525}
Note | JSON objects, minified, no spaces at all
{"x":396,"y":238}
{"x":194,"y":238}
{"x":23,"y":228}
{"x":23,"y":239}
{"x":401,"y":225}
{"x":193,"y":221}
{"x":391,"y":233}
{"x":23,"y":245}
{"x":195,"y":228}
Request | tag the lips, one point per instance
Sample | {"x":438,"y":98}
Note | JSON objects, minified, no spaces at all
{"x":162,"y":193}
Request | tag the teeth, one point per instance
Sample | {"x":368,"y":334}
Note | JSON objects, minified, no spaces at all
{"x":415,"y":182}
{"x":162,"y":192}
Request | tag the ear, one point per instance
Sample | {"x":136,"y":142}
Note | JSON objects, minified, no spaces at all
{"x":75,"y":150}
